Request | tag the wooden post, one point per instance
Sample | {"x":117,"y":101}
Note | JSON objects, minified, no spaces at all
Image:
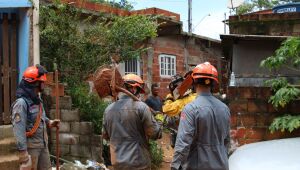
{"x":13,"y":59}
{"x":6,"y":90}
{"x":57,"y":117}
{"x":1,"y":90}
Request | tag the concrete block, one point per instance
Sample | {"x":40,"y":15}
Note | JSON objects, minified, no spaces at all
{"x":85,"y":139}
{"x":97,"y":154}
{"x":8,"y":146}
{"x":69,"y":139}
{"x":10,"y":162}
{"x":66,"y":138}
{"x":86,"y":128}
{"x":81,"y":150}
{"x":52,"y":114}
{"x":69,"y":115}
{"x":96,"y":140}
{"x":64,"y":127}
{"x":71,"y":158}
{"x":63,"y":149}
{"x":75,"y":127}
{"x":65,"y":102}
{"x":83,"y":128}
{"x":6,"y":131}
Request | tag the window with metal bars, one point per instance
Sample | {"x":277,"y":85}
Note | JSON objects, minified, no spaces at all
{"x":131,"y":66}
{"x":167,"y":65}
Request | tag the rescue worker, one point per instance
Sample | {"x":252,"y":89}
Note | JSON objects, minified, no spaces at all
{"x":30,"y":122}
{"x":172,"y":105}
{"x":204,"y":129}
{"x":172,"y":108}
{"x":128,"y":125}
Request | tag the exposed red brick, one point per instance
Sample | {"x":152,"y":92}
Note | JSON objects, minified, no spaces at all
{"x":247,"y":92}
{"x":237,"y":106}
{"x":257,"y":106}
{"x":233,"y":120}
{"x":256,"y":133}
{"x":247,"y":120}
{"x":275,"y":135}
{"x":263,"y":93}
{"x":272,"y":109}
{"x":295,"y":133}
{"x":232,"y":93}
{"x":247,"y":141}
{"x":240,"y":132}
{"x":262,"y":120}
{"x":294,"y":107}
{"x":270,"y":118}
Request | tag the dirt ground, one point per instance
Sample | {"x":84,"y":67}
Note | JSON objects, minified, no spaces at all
{"x":168,"y":151}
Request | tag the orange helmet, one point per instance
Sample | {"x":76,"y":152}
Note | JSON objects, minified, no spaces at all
{"x":134,"y":81}
{"x":205,"y":70}
{"x":35,"y":73}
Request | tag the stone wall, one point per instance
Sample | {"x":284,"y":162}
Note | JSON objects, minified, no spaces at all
{"x":76,"y":138}
{"x":251,"y":114}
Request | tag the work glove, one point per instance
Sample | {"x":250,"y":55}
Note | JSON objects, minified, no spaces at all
{"x":159,"y":117}
{"x":25,"y":160}
{"x":169,"y":97}
{"x":54,"y":123}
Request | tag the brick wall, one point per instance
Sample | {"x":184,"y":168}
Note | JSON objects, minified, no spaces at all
{"x":251,"y":114}
{"x":170,"y":46}
{"x":186,"y":50}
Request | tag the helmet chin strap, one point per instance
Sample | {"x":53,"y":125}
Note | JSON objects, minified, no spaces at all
{"x":135,"y":91}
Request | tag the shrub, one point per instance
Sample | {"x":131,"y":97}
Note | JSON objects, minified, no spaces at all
{"x":156,"y":154}
{"x":91,"y":107}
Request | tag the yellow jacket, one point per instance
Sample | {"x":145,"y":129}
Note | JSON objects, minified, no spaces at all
{"x":173,"y":108}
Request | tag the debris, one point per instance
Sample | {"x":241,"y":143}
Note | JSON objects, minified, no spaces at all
{"x":91,"y":165}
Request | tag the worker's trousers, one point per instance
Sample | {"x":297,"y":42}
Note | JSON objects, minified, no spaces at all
{"x":40,"y":158}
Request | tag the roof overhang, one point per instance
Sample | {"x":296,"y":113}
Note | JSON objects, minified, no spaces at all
{"x":201,"y":37}
{"x":252,"y":37}
{"x":15,"y":4}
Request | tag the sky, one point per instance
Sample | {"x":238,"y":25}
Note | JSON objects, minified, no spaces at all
{"x":207,"y":14}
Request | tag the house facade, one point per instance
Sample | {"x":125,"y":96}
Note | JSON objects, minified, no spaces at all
{"x":174,"y":52}
{"x":171,"y":55}
{"x":254,"y":37}
{"x":19,"y":47}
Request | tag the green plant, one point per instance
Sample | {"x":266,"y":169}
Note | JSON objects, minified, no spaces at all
{"x":284,"y":93}
{"x":287,"y":122}
{"x":91,"y":107}
{"x":156,"y":154}
{"x":80,"y":43}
